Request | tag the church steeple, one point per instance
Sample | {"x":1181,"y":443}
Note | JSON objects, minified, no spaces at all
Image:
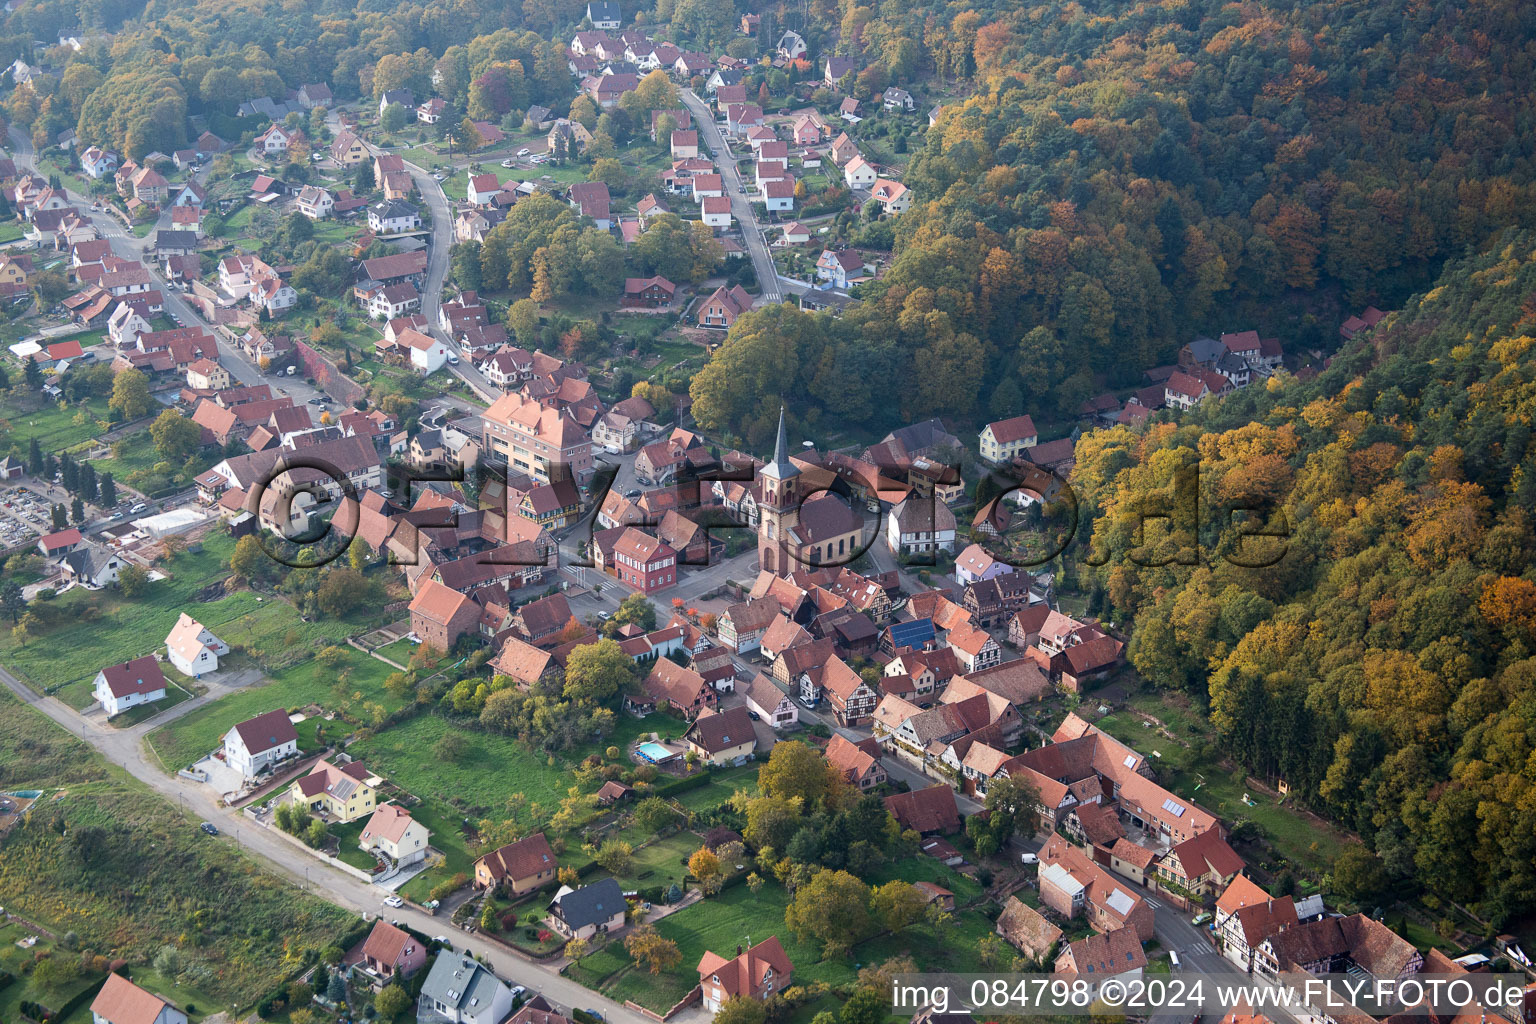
{"x":781,"y":468}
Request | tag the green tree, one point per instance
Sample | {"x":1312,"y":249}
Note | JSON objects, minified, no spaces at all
{"x":594,"y":673}
{"x":832,"y":906}
{"x":394,"y":118}
{"x":654,"y":814}
{"x":133,"y":580}
{"x":796,"y":770}
{"x":362,"y":178}
{"x":11,"y":601}
{"x":741,"y":1010}
{"x":176,"y":437}
{"x":896,"y":905}
{"x":130,"y":394}
{"x":249,"y":560}
{"x":1358,"y":874}
{"x":865,"y":1006}
{"x":391,"y":1002}
{"x":523,"y":322}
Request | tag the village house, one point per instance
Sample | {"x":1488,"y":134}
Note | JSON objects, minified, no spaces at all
{"x":1074,"y":886}
{"x":315,"y":202}
{"x":461,"y":990}
{"x":771,"y":704}
{"x":1025,"y":929}
{"x":681,"y":688}
{"x":193,"y":649}
{"x":395,"y":835}
{"x":341,"y":793}
{"x":859,"y":762}
{"x":596,"y":909}
{"x":754,"y":973}
{"x":519,"y":867}
{"x":721,"y":738}
{"x":255,"y":745}
{"x":389,"y":950}
{"x":120,"y":1001}
{"x":841,"y":268}
{"x":1246,"y":915}
{"x":440,"y":616}
{"x":1115,"y":954}
{"x":723,"y":307}
{"x":136,"y":682}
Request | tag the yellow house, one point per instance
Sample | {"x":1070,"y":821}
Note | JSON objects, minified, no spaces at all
{"x":347,"y":149}
{"x":13,"y":271}
{"x":207,"y":374}
{"x":338,"y":792}
{"x":722,"y":737}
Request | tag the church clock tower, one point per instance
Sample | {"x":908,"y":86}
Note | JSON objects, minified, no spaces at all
{"x":778,"y":506}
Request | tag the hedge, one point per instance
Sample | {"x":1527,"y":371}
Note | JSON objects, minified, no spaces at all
{"x":682,"y":785}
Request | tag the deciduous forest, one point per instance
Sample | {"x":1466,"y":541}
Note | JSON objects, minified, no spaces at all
{"x":1386,"y":666}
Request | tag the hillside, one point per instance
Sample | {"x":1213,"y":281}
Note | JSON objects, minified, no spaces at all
{"x":1383,"y":667}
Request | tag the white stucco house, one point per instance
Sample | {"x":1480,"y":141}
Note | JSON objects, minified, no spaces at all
{"x":120,"y":687}
{"x":193,"y":649}
{"x":257,"y":744}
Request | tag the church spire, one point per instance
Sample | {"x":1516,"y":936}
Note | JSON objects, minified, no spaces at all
{"x":781,"y":468}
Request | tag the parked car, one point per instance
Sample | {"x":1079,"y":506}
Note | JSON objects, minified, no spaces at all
{"x":393,"y":901}
{"x":1028,"y":858}
{"x":209,"y":829}
{"x":523,"y":151}
{"x":140,"y":507}
{"x":509,"y":162}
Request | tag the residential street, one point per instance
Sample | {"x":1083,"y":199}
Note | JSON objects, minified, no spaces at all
{"x":130,"y":247}
{"x":125,"y":748}
{"x":741,"y":206}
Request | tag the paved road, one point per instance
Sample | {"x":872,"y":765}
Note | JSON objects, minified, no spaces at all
{"x":130,"y":247}
{"x":440,"y":210}
{"x":741,"y":207}
{"x":124,"y":747}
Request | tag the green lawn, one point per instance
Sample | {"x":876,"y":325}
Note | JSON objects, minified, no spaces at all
{"x":738,"y":916}
{"x":18,"y":961}
{"x":175,"y":694}
{"x":348,"y":851}
{"x":56,"y":426}
{"x":721,"y":785}
{"x":183,"y":741}
{"x":134,"y":461}
{"x":11,"y":230}
{"x":105,"y":628}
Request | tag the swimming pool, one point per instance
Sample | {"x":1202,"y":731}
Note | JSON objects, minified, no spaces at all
{"x":655,"y":753}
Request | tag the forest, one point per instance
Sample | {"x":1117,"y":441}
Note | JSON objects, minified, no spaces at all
{"x":1126,"y":177}
{"x":1385,"y":666}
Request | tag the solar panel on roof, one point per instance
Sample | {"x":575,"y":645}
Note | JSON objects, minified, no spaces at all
{"x":1175,"y":809}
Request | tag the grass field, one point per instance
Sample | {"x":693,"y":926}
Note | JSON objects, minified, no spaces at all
{"x":96,"y":876}
{"x":18,"y":962}
{"x":739,"y":917}
{"x":116,"y":628}
{"x":183,"y":741}
{"x":54,"y":427}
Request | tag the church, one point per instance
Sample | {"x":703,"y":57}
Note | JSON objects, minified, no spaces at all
{"x":797,"y":530}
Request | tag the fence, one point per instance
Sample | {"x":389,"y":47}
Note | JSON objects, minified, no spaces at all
{"x":326,"y":374}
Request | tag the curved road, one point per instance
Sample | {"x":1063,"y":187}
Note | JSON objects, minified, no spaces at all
{"x":125,"y":748}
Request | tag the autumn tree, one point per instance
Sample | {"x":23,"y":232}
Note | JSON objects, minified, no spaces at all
{"x":650,"y":948}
